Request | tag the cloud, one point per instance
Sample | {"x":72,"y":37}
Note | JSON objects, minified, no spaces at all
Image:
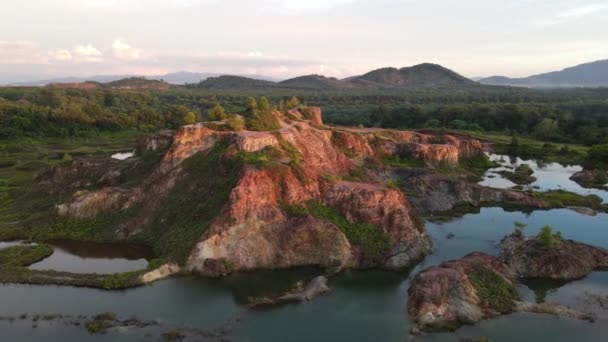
{"x":125,"y":51}
{"x":255,"y":54}
{"x":60,"y":55}
{"x":87,"y":54}
{"x":572,"y":14}
{"x":310,"y":5}
{"x":21,"y":52}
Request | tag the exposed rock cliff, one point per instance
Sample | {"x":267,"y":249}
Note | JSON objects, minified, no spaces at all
{"x":231,"y":192}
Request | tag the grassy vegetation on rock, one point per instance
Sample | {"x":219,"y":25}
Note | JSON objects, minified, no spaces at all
{"x":25,"y":255}
{"x":493,"y":290}
{"x":193,"y":203}
{"x":562,"y":198}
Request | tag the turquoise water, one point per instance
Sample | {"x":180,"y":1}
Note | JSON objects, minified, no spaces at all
{"x":362,"y":306}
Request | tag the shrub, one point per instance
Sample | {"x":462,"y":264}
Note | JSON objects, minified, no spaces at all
{"x":236,"y":123}
{"x":493,"y":289}
{"x":548,"y":238}
{"x":217,"y":113}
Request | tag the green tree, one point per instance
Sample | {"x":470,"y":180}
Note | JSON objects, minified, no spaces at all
{"x":458,"y":124}
{"x":294,"y":102}
{"x":433,"y":123}
{"x":251,"y":105}
{"x":236,"y":123}
{"x":263,"y":104}
{"x":546,"y":129}
{"x":217,"y":113}
{"x":189,"y":118}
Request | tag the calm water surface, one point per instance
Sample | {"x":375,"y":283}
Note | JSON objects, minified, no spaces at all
{"x":122,"y":155}
{"x":550,"y":176}
{"x":363,"y":306}
{"x":93,"y":257}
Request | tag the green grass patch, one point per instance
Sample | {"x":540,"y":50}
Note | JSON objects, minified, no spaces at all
{"x":493,"y":289}
{"x":100,"y":323}
{"x":403,"y":162}
{"x":23,"y":256}
{"x":478,"y":165}
{"x":562,"y":198}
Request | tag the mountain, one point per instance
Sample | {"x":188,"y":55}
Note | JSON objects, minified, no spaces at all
{"x":235,"y":82}
{"x":316,"y":82}
{"x":594,"y":74}
{"x":183,"y":77}
{"x":177,"y":78}
{"x":138,"y":83}
{"x":425,"y":75}
{"x":71,"y":80}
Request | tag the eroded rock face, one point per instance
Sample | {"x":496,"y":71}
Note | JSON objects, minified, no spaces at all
{"x":253,"y":245}
{"x":444,"y":297}
{"x":567,"y":259}
{"x":254,"y":229}
{"x":87,"y":204}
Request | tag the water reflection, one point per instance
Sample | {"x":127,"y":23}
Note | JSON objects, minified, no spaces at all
{"x":122,"y":155}
{"x":90,"y":257}
{"x":549,"y":176}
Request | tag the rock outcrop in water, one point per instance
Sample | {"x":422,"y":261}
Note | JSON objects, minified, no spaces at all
{"x":480,"y":286}
{"x":468,"y":290}
{"x":265,"y":177}
{"x":462,"y":291}
{"x":591,"y":178}
{"x":565,"y":260}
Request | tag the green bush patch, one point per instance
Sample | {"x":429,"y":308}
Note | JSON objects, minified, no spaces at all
{"x":492,"y":289}
{"x":23,"y":256}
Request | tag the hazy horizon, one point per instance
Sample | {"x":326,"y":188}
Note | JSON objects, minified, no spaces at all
{"x":286,"y":38}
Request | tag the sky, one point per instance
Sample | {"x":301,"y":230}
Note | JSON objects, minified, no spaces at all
{"x":285,"y":38}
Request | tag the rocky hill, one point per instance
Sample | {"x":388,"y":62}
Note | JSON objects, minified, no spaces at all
{"x":219,"y":201}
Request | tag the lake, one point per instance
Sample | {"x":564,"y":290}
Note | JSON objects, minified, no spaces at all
{"x":363,"y":305}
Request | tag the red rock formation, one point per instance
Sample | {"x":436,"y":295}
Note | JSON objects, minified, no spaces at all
{"x":254,"y":230}
{"x":443,"y":297}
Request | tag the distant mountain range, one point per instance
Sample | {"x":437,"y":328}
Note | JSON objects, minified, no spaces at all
{"x":416,"y":77}
{"x":177,"y":78}
{"x":594,"y":74}
{"x":419,"y":76}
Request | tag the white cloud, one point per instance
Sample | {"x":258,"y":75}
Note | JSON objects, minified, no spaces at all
{"x":61,"y":55}
{"x":255,"y":54}
{"x":87,"y":54}
{"x":307,"y":5}
{"x":572,"y":14}
{"x":581,"y":11}
{"x":21,"y":52}
{"x":125,"y":51}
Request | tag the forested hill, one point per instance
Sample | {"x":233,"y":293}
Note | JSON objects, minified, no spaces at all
{"x":422,"y":76}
